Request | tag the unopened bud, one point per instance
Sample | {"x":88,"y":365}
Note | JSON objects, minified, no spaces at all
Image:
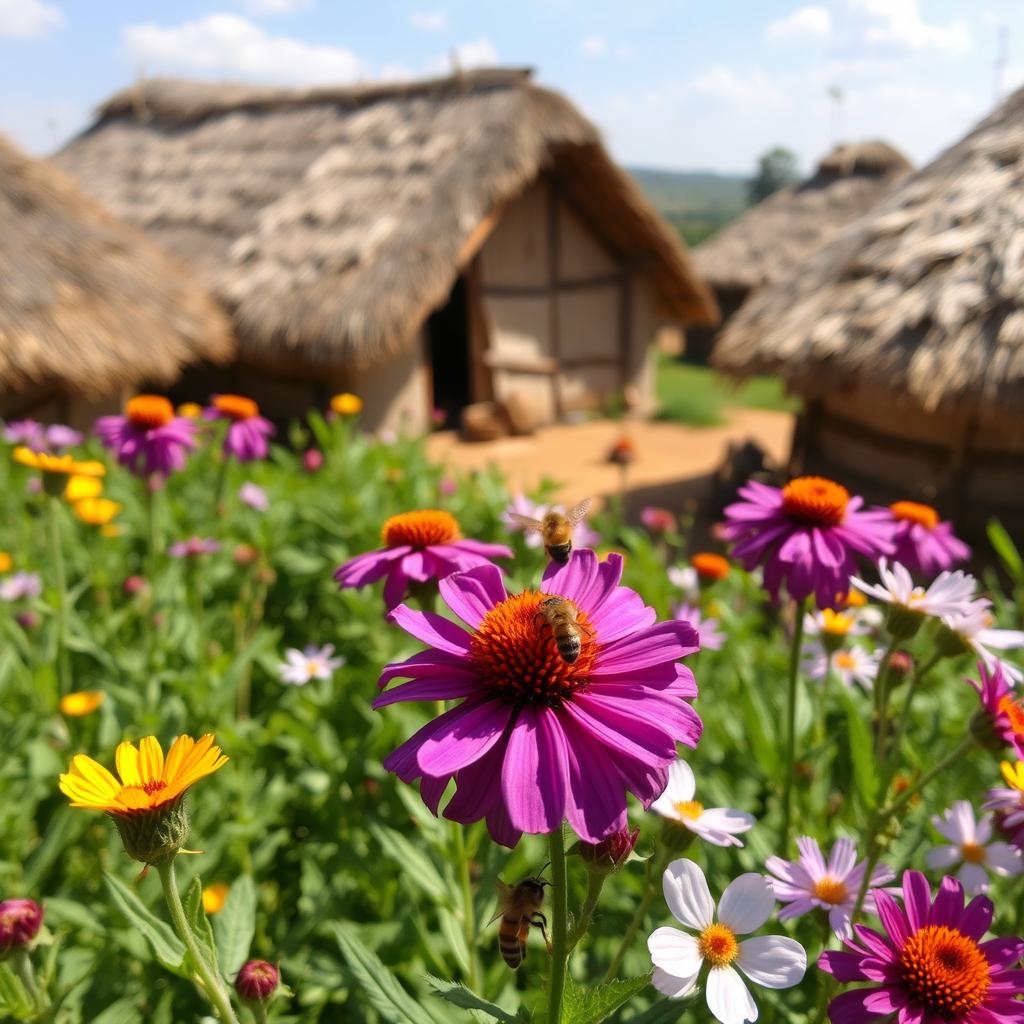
{"x":20,"y":921}
{"x":611,"y":853}
{"x":134,"y":585}
{"x":901,"y":665}
{"x":257,"y":981}
{"x":29,"y":619}
{"x":245,"y":554}
{"x":266,"y":576}
{"x":312,"y":460}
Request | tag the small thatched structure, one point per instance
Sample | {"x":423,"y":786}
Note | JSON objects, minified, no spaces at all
{"x":88,"y":305}
{"x":424,"y":243}
{"x":906,"y":335}
{"x":785,"y":230}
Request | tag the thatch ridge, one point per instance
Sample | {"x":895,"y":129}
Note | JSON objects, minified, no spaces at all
{"x":88,"y":303}
{"x":791,"y":225}
{"x":924,"y":297}
{"x":331,"y":221}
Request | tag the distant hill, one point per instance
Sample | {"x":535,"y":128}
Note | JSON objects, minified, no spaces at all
{"x":696,"y":203}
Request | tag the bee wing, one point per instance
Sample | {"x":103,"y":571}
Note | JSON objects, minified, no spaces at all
{"x":526,"y":522}
{"x":504,"y":891}
{"x":579,"y":512}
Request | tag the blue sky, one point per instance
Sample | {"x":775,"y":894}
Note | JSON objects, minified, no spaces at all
{"x":679,"y":84}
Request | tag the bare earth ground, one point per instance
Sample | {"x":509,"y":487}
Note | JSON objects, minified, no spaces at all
{"x":674,"y":463}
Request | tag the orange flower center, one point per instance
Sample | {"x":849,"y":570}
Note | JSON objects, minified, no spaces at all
{"x":830,"y":890}
{"x":815,"y":501}
{"x":710,"y":566}
{"x":421,"y":529}
{"x":973,"y":853}
{"x":516,"y":655}
{"x":235,"y":406}
{"x":945,"y":970}
{"x":718,"y":945}
{"x":912,"y":512}
{"x":855,"y":599}
{"x":836,"y":623}
{"x":1014,"y":711}
{"x":149,"y":411}
{"x":690,"y":809}
{"x":845,"y":660}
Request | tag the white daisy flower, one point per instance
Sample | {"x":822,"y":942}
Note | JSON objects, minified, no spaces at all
{"x":850,"y":664}
{"x":686,"y":579}
{"x":949,"y":593}
{"x":716,"y":825}
{"x":310,"y":663}
{"x":835,"y":625}
{"x":974,"y":627}
{"x":773,"y":961}
{"x":970,"y":847}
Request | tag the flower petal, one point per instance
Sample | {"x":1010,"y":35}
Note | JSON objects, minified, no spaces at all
{"x":773,"y":961}
{"x":687,"y":894}
{"x":728,"y":997}
{"x":747,"y":903}
{"x":675,"y":951}
{"x":431,"y":629}
{"x":535,"y":774}
{"x":472,"y":594}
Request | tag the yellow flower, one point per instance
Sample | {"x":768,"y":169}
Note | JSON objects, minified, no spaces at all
{"x":110,"y":530}
{"x":1014,"y":775}
{"x":5,"y":561}
{"x":84,"y":702}
{"x":81,"y":487}
{"x":58,"y":463}
{"x":190,"y":410}
{"x":215,"y":896}
{"x":97,"y":511}
{"x":347,"y":404}
{"x":836,"y":623}
{"x":148,"y":781}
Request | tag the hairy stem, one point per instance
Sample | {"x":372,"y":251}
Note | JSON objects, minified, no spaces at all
{"x":559,"y":929}
{"x":790,"y":768}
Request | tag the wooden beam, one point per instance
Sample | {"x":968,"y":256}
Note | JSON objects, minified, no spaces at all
{"x":481,"y":379}
{"x":539,"y":291}
{"x":474,"y":243}
{"x":542,"y":367}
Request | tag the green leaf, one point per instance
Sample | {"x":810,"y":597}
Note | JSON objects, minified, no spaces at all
{"x":462,"y":996}
{"x":13,"y":996}
{"x":235,"y":924}
{"x":865,"y":775}
{"x":166,"y":946}
{"x":666,"y":1012}
{"x":124,"y":1011}
{"x":1006,"y":550}
{"x":456,"y":938}
{"x":415,"y":864}
{"x":198,"y":921}
{"x":382,"y":988}
{"x":591,"y":1006}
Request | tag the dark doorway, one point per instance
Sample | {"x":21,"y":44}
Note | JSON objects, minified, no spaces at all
{"x":448,"y":336}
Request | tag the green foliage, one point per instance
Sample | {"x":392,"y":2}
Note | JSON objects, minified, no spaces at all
{"x":776,"y":168}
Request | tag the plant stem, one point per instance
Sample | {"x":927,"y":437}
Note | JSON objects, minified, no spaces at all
{"x":560,"y":915}
{"x":468,"y":908}
{"x":794,"y":672}
{"x":212,"y":986}
{"x":595,"y":882}
{"x":638,"y":918}
{"x":259,"y":1012}
{"x":57,"y":557}
{"x":23,"y":968}
{"x":882,"y":701}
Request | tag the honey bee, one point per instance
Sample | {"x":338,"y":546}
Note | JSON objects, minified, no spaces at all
{"x":560,"y":616}
{"x":519,"y":907}
{"x":555,"y":529}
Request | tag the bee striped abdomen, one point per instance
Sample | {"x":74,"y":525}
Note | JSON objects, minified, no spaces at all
{"x":512,"y":937}
{"x":560,"y":552}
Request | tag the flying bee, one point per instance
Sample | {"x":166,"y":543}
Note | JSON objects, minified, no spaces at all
{"x":519,"y":907}
{"x":560,"y":617}
{"x":555,"y":529}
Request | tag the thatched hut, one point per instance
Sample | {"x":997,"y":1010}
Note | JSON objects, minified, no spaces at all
{"x":906,"y":336}
{"x":89,"y":307}
{"x":786,"y":229}
{"x":423,"y":244}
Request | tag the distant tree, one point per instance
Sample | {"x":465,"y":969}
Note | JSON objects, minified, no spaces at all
{"x":776,"y":169}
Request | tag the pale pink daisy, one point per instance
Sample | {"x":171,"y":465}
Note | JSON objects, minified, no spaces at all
{"x":970,"y":846}
{"x":850,"y":664}
{"x":974,"y":627}
{"x":716,"y":825}
{"x":254,"y":496}
{"x":950,"y":593}
{"x":312,"y":662}
{"x":810,"y":883}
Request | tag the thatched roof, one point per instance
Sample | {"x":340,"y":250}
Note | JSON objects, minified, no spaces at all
{"x":924,"y":296}
{"x":788,"y":227}
{"x":331,"y":221}
{"x":86,"y":302}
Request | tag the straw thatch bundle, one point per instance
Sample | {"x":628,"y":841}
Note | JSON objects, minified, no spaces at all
{"x":331,"y":221}
{"x":87,"y":303}
{"x":923,"y":298}
{"x":786,"y":229}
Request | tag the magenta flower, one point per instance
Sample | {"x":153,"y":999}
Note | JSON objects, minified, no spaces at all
{"x":248,"y":433}
{"x":924,"y":543}
{"x":833,"y":887}
{"x":418,"y":546}
{"x":193,"y":547}
{"x":535,"y":738}
{"x":20,"y":921}
{"x":1000,"y":719}
{"x":711,"y":637}
{"x":148,"y":438}
{"x":60,"y":436}
{"x":658,"y":520}
{"x":312,"y":460}
{"x":32,"y":434}
{"x":929,"y":967}
{"x":806,"y":535}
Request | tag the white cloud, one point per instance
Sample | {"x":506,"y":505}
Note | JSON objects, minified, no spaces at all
{"x":225,"y":44}
{"x":899,"y":22}
{"x":25,"y":18}
{"x":804,"y":21}
{"x":259,"y":8}
{"x":748,"y":86}
{"x":429,"y":21}
{"x":594,"y":45}
{"x":478,"y":53}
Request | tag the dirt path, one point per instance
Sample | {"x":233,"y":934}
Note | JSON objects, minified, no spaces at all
{"x":671,"y":460}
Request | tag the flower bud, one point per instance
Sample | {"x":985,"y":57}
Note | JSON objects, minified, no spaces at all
{"x":245,"y":554}
{"x":20,"y":921}
{"x":256,"y":981}
{"x":611,"y":853}
{"x":901,"y":665}
{"x":312,"y":460}
{"x":29,"y":619}
{"x":134,"y":585}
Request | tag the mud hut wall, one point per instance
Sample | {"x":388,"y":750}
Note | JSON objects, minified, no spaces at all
{"x":51,"y":405}
{"x":396,"y":393}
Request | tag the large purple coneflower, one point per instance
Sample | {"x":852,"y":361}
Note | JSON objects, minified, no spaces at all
{"x":248,"y":435}
{"x":418,"y":546}
{"x":930,"y":967}
{"x":537,"y":739}
{"x":924,"y":543}
{"x":148,"y":438}
{"x":806,"y":535}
